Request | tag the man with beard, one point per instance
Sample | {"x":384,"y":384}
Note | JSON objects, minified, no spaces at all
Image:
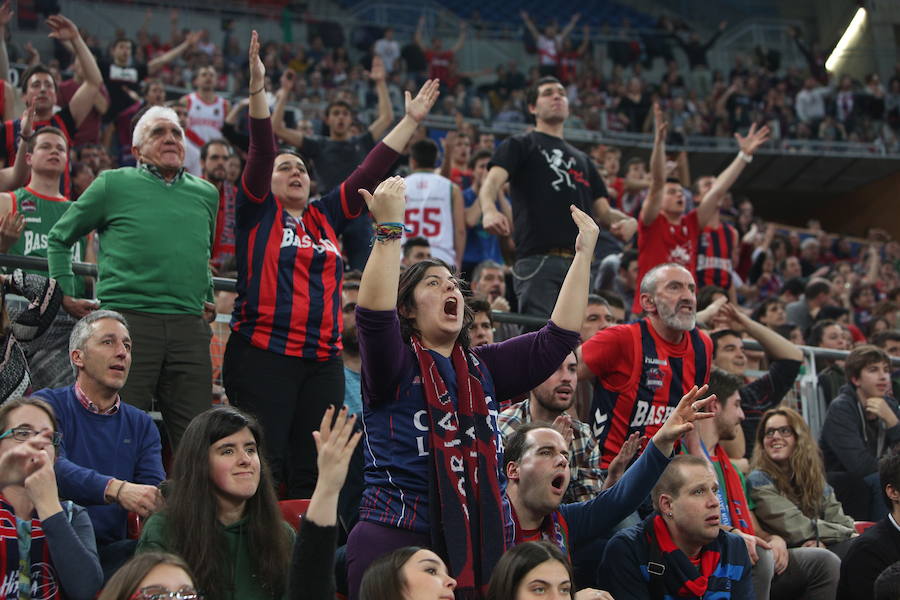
{"x":214,"y":157}
{"x":549,"y":402}
{"x":643,"y":368}
{"x":777,"y":571}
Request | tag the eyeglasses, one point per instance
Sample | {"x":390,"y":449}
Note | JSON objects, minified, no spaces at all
{"x":158,"y":592}
{"x":782,"y":431}
{"x":23,"y":434}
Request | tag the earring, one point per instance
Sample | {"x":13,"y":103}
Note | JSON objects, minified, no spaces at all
{"x":669,"y":515}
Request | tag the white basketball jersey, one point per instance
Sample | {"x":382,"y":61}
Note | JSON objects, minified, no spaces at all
{"x":429,"y":213}
{"x":204,"y":120}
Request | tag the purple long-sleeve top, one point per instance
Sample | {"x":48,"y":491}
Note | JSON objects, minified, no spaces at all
{"x":395,"y":420}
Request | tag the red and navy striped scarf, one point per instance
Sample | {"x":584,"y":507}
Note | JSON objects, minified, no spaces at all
{"x":44,"y":580}
{"x":554,"y":529}
{"x":465,"y":503}
{"x":679,"y":576}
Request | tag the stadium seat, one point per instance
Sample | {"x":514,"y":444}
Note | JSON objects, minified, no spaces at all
{"x":862,"y":525}
{"x":293,"y":511}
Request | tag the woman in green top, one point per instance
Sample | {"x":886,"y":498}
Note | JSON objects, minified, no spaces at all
{"x":222,"y":514}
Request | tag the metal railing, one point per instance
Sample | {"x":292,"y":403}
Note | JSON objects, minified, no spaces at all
{"x":810,"y":400}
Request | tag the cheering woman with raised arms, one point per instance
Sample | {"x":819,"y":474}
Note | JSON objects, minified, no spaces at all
{"x":283,"y":364}
{"x":430,"y":420}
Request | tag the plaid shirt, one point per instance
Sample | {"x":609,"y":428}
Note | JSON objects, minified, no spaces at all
{"x":584,"y":453}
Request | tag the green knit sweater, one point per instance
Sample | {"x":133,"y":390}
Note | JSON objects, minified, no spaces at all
{"x":155,"y":240}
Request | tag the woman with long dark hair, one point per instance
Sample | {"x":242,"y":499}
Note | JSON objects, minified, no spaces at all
{"x":432,"y":445}
{"x":221,"y":513}
{"x":283,"y":361}
{"x":788,"y":486}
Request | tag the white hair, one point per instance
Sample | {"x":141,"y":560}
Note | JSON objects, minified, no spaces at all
{"x":154,"y":113}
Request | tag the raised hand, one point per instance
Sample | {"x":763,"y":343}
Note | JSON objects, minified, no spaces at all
{"x":661,"y":126}
{"x":563,"y":424}
{"x":63,"y":29}
{"x":193,"y":38}
{"x":257,"y":68}
{"x":618,"y":465}
{"x":335,"y":443}
{"x":624,"y":229}
{"x":377,"y":73}
{"x":588,"y":231}
{"x":11,"y":228}
{"x":27,"y":122}
{"x":417,"y":108}
{"x":388,"y":204}
{"x":755,"y":138}
{"x":682,"y":419}
{"x":6,"y":14}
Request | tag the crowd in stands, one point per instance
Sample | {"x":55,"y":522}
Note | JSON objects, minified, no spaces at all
{"x":619,"y":439}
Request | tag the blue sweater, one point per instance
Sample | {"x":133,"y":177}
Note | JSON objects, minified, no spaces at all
{"x":96,"y":448}
{"x":624,"y":571}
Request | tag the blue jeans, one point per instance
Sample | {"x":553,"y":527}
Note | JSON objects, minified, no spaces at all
{"x":877,"y":508}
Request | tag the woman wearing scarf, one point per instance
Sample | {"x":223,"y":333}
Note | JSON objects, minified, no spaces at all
{"x":432,"y":446}
{"x":679,"y":551}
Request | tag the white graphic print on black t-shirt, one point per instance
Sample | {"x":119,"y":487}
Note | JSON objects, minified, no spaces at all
{"x":546,"y":175}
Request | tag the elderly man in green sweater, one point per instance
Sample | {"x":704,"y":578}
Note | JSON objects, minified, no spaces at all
{"x":156,"y":225}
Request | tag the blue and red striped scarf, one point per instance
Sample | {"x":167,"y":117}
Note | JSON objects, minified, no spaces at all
{"x":680,"y":577}
{"x":43,"y":577}
{"x":465,"y":503}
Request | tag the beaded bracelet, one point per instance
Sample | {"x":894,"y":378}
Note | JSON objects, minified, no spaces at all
{"x":385,"y":232}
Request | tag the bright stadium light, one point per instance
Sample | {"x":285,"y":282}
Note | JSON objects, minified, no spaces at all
{"x":849,"y":35}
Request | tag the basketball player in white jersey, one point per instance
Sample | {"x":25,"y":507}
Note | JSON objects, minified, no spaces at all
{"x":206,"y":109}
{"x":434,"y":206}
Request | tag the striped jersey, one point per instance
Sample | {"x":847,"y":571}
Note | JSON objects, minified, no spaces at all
{"x":62,"y":120}
{"x":640,"y":379}
{"x":289,"y":274}
{"x":715,"y":250}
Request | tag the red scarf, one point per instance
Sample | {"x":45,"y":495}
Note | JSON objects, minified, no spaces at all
{"x":465,"y":503}
{"x":680,"y":576}
{"x":734,"y":493}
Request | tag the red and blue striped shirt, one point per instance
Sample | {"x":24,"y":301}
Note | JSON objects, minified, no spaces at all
{"x":290,"y":269}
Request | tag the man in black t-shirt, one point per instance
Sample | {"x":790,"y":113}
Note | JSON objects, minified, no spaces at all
{"x":546,"y":175}
{"x":123,"y":76}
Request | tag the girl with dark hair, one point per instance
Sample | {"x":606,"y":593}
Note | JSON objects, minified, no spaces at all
{"x":432,"y":445}
{"x":149,"y":576}
{"x":788,"y":486}
{"x":528,"y":569}
{"x":47,"y":546}
{"x":409,"y":573}
{"x":283,"y":361}
{"x":221,"y":514}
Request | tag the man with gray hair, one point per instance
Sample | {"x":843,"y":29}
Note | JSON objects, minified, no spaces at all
{"x":644,"y":368}
{"x":110,"y":457}
{"x":156,"y":225}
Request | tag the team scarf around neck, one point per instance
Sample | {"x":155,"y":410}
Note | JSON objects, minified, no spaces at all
{"x":680,"y":577}
{"x":44,"y":582}
{"x":734,"y":493}
{"x":554,"y":529}
{"x":465,"y":503}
